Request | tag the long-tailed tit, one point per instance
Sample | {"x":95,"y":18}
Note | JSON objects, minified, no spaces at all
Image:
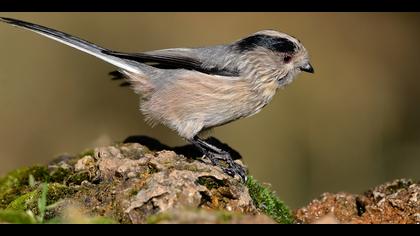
{"x":191,"y":90}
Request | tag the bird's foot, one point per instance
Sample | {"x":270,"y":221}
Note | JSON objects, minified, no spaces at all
{"x":226,"y":163}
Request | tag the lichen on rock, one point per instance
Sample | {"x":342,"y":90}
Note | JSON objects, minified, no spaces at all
{"x":129,"y":183}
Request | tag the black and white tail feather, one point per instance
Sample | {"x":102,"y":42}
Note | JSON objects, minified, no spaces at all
{"x":77,"y":43}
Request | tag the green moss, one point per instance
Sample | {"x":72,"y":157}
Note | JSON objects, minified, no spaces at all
{"x":16,"y":217}
{"x":267,"y":201}
{"x":210,"y":182}
{"x":78,"y":177}
{"x":16,"y":183}
{"x":29,"y":201}
{"x":58,"y":191}
{"x":24,"y":202}
{"x":59,"y":175}
{"x":19,"y":177}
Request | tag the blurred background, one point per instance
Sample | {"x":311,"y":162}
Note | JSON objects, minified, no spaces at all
{"x":353,"y":124}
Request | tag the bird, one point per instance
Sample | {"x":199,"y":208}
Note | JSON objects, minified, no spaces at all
{"x":192,"y":90}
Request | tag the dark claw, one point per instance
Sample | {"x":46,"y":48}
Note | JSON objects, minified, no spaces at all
{"x":228,"y":171}
{"x":216,"y":155}
{"x":238,"y":169}
{"x":232,"y":169}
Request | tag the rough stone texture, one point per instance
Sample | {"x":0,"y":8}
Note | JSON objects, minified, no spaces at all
{"x":396,"y":202}
{"x":132,"y":183}
{"x":128,"y":183}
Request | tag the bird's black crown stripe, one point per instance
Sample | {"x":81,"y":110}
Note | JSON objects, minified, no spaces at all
{"x":276,"y":44}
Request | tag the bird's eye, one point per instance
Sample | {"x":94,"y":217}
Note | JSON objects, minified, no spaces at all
{"x":287,"y":58}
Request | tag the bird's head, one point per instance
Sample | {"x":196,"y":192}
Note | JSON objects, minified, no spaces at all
{"x":270,"y":55}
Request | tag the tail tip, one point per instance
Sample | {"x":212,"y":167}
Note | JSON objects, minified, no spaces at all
{"x":6,"y":19}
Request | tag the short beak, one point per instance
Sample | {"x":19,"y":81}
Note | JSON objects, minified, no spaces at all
{"x":307,"y":68}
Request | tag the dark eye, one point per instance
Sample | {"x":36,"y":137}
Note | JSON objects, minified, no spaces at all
{"x":287,"y":58}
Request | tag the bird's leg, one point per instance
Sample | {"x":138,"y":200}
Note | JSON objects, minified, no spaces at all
{"x":203,"y":144}
{"x":216,"y":155}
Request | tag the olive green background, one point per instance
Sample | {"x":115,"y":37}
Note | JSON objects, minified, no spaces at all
{"x":353,"y":124}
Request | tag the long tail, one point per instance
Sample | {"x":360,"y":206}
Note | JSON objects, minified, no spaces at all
{"x":80,"y":44}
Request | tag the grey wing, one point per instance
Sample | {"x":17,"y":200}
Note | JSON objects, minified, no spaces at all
{"x":182,"y":58}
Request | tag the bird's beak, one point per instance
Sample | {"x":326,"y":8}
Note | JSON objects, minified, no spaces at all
{"x":307,"y":68}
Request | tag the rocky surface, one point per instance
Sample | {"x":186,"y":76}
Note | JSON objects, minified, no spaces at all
{"x":154,"y":183}
{"x":129,"y":183}
{"x":396,"y":202}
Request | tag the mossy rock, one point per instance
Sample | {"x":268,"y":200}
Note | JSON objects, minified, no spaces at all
{"x":267,"y":201}
{"x":16,"y":183}
{"x":29,"y":201}
{"x":128,"y":183}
